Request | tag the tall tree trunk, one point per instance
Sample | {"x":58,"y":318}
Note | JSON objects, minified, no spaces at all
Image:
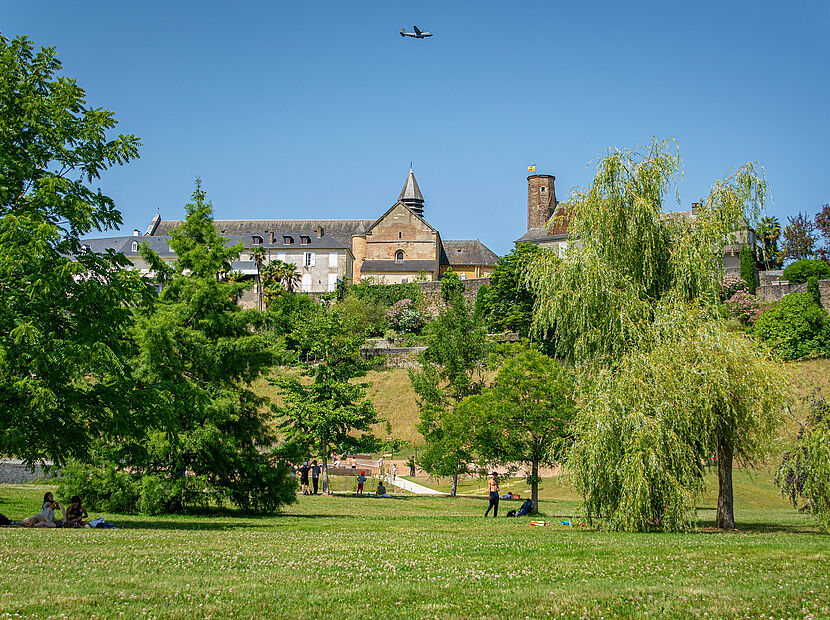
{"x":454,"y":484}
{"x":325,"y":470}
{"x":725,"y":517}
{"x":534,"y":485}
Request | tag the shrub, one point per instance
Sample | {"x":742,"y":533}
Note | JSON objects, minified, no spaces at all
{"x":404,"y":317}
{"x":796,"y":328}
{"x":801,"y":270}
{"x":101,"y":488}
{"x":731,"y":284}
{"x":369,"y":315}
{"x":387,"y":294}
{"x":744,"y":307}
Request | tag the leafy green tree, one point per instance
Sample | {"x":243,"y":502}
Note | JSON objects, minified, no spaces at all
{"x":619,"y":305}
{"x":802,"y":270}
{"x":822,"y":222}
{"x":796,"y":327}
{"x":748,"y":268}
{"x":65,"y":312}
{"x":508,"y":303}
{"x":525,"y":417}
{"x":451,"y":369}
{"x":326,"y":413}
{"x":799,"y":238}
{"x":201,"y":351}
{"x":805,"y":468}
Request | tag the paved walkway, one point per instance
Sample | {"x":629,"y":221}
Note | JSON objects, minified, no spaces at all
{"x":408,"y":485}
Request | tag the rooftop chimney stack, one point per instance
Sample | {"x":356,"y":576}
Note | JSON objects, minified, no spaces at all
{"x":136,"y":232}
{"x":319,"y":230}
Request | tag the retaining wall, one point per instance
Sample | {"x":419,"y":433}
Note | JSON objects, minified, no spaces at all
{"x":16,"y":472}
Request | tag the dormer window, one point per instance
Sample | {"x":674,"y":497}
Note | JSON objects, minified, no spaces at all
{"x":256,"y":240}
{"x":399,"y":256}
{"x":287,"y":239}
{"x":305,"y":240}
{"x":135,"y":246}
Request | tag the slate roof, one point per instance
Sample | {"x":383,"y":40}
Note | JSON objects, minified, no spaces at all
{"x":393,"y":266}
{"x":467,"y":253}
{"x":557,"y":232}
{"x":125,"y":244}
{"x":341,"y":230}
{"x":410,"y":190}
{"x":538,"y":235}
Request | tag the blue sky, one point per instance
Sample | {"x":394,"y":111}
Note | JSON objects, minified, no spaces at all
{"x":315,"y":110}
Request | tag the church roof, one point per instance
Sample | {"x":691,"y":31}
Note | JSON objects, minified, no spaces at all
{"x":410,"y":190}
{"x":467,"y":253}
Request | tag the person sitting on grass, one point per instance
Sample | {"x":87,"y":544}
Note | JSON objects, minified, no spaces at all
{"x":360,"y":480}
{"x":76,"y":513}
{"x":381,"y":490}
{"x":46,"y":516}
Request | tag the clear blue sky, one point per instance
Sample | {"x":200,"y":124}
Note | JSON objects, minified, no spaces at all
{"x":316,"y":109}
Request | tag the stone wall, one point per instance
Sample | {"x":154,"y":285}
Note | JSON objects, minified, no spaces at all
{"x":15,"y":472}
{"x":395,"y":357}
{"x":772,"y":288}
{"x":431,"y":293}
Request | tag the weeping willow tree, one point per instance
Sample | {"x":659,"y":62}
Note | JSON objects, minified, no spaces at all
{"x":634,"y":305}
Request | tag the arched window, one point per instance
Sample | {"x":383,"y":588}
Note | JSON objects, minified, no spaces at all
{"x":135,"y":246}
{"x":399,"y":256}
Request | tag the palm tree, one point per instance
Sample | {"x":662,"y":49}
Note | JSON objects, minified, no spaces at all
{"x":287,"y":274}
{"x":769,"y":230}
{"x":258,"y":256}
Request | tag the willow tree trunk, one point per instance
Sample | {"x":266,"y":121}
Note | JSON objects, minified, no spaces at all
{"x":454,"y":484}
{"x":725,"y":517}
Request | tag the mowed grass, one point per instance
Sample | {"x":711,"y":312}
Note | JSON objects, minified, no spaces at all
{"x":411,"y":557}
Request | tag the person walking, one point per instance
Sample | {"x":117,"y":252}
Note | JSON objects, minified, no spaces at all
{"x":493,"y":488}
{"x":394,"y":470}
{"x":304,"y":477}
{"x":315,"y":476}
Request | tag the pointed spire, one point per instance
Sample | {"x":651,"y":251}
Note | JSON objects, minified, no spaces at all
{"x":411,"y":194}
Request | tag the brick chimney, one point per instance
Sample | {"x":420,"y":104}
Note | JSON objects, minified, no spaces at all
{"x":319,"y":230}
{"x":541,"y":199}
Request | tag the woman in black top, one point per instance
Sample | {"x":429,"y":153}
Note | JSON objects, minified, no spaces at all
{"x":304,"y":477}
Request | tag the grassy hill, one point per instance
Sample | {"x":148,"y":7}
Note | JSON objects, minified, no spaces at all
{"x":394,"y":398}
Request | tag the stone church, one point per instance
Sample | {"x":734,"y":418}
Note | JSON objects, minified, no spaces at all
{"x":399,"y":246}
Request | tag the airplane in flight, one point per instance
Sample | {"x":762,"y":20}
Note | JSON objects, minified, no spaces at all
{"x":415,"y":35}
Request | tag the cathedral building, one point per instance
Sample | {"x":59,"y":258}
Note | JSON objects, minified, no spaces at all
{"x":399,"y":246}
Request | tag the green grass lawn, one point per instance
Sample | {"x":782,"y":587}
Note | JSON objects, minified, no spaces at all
{"x":413,"y":557}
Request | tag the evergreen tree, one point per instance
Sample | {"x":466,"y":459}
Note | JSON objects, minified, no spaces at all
{"x":748,"y":268}
{"x":201,"y":352}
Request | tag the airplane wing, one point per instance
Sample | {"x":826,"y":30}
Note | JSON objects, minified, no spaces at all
{"x":417,"y":31}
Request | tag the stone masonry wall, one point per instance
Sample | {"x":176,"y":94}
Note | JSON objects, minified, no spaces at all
{"x":431,"y":293}
{"x":773,"y":289}
{"x":15,"y":472}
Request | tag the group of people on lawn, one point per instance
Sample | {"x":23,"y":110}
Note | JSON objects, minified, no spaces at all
{"x":74,"y":516}
{"x":311,"y":472}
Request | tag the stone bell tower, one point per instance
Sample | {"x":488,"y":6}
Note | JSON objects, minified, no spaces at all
{"x":541,"y":199}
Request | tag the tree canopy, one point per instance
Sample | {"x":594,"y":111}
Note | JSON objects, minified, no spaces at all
{"x":637,"y":287}
{"x":65,"y":312}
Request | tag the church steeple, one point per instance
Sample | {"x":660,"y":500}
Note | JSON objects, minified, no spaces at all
{"x":411,"y":194}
